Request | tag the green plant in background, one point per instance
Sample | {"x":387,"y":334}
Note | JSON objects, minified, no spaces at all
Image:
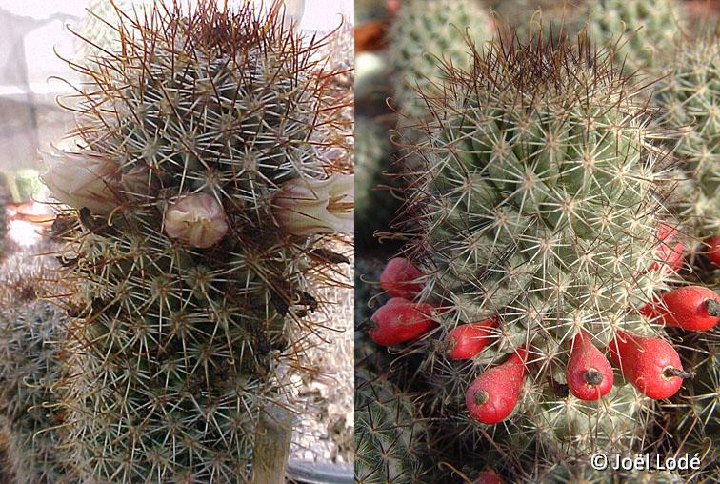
{"x":424,"y":33}
{"x":641,"y":33}
{"x":204,"y":198}
{"x":390,"y":438}
{"x":31,"y":364}
{"x":689,"y":97}
{"x":540,"y":216}
{"x":526,"y":18}
{"x":375,"y":205}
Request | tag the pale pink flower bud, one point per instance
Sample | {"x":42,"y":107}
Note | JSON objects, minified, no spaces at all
{"x":304,"y":207}
{"x":196,"y":219}
{"x":82,"y":179}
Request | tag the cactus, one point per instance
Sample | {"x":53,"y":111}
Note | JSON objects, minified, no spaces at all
{"x":425,"y":32}
{"x":642,"y":33}
{"x":31,"y":365}
{"x":693,"y":421}
{"x":389,"y":436}
{"x":526,"y":18}
{"x":540,"y":208}
{"x":688,"y":97}
{"x":203,"y":200}
{"x":375,"y":206}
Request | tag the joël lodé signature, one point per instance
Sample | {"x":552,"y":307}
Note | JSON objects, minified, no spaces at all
{"x":642,"y":462}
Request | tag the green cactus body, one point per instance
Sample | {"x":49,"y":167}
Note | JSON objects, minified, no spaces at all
{"x":424,"y":32}
{"x":526,"y":18}
{"x":31,"y":365}
{"x":540,"y":208}
{"x":650,"y":30}
{"x":389,"y":437}
{"x":196,"y":242}
{"x":689,"y":98}
{"x":694,"y":422}
{"x":375,"y":206}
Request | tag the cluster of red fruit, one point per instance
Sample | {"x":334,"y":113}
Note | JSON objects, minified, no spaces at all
{"x":650,"y":364}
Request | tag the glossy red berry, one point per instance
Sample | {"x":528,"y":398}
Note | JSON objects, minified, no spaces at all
{"x":468,"y":340}
{"x":493,"y":395}
{"x":400,"y":321}
{"x":589,"y":374}
{"x":713,"y":250}
{"x":650,"y":364}
{"x":692,"y":308}
{"x":401,"y":278}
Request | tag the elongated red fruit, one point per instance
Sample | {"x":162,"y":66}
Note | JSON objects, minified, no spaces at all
{"x":401,"y":278}
{"x":668,"y":253}
{"x":650,"y":364}
{"x":400,"y":321}
{"x":692,"y":308}
{"x":589,"y":374}
{"x":468,"y":340}
{"x":493,"y":395}
{"x":713,"y":250}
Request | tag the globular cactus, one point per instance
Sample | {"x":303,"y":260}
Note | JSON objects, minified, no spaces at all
{"x":541,"y":210}
{"x":30,"y":365}
{"x":375,"y":206}
{"x":389,"y":436}
{"x":203,"y":196}
{"x":527,"y":18}
{"x":426,"y":32}
{"x":689,"y":96}
{"x":693,"y":421}
{"x":641,"y":33}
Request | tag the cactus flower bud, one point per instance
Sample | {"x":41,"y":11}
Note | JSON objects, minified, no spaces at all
{"x":304,"y":207}
{"x":196,"y":219}
{"x":83,"y":179}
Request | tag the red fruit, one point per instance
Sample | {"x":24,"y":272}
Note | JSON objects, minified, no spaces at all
{"x":493,"y":395}
{"x":650,"y":364}
{"x":692,"y":308}
{"x":468,"y":340}
{"x":488,"y":477}
{"x":668,"y":254}
{"x":401,"y":278}
{"x":671,"y":257}
{"x":400,"y":321}
{"x":666,"y":232}
{"x":589,"y":373}
{"x":713,"y":250}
